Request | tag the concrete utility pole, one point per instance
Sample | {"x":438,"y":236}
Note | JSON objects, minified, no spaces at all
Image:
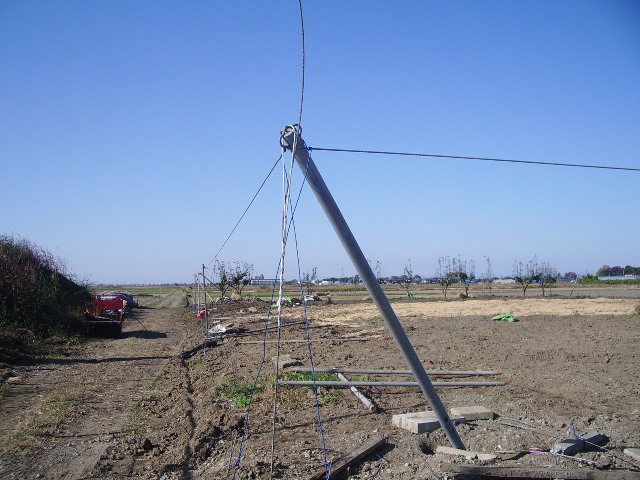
{"x":291,"y":140}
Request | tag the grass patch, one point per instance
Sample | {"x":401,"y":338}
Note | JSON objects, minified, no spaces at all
{"x":330,"y":398}
{"x":498,"y":394}
{"x":4,"y":391}
{"x":308,"y":377}
{"x":298,"y":394}
{"x":159,"y":381}
{"x":57,"y":407}
{"x":237,"y":391}
{"x":136,"y":421}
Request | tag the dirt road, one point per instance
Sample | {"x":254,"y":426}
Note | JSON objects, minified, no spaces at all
{"x":61,"y":415}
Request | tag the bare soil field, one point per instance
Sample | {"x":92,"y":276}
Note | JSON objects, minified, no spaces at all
{"x":135,"y":408}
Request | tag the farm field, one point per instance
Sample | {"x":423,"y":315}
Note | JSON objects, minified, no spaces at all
{"x":135,"y":408}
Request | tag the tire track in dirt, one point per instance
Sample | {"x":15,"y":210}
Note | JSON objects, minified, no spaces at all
{"x":62,"y":415}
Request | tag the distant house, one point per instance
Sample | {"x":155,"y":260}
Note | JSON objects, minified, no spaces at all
{"x":260,"y":280}
{"x":620,"y":277}
{"x":504,"y":281}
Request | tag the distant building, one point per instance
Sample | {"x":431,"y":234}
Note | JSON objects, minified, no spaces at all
{"x":504,"y":281}
{"x":620,"y":277}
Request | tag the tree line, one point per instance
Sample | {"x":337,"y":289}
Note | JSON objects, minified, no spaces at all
{"x":450,"y":271}
{"x":617,"y":271}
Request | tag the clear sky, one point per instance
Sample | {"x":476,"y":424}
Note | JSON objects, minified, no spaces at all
{"x":134,"y":134}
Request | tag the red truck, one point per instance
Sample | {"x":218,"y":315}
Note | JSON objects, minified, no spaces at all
{"x":105,"y":313}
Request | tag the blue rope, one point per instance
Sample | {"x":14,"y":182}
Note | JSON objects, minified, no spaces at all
{"x":313,"y":372}
{"x":327,"y":464}
{"x":245,"y":429}
{"x":573,"y":426}
{"x":377,"y":472}
{"x":242,"y":447}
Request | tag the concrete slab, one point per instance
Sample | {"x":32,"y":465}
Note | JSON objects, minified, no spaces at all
{"x":420,"y":422}
{"x":587,"y":440}
{"x":633,"y":453}
{"x":472,"y":413}
{"x":285,"y":361}
{"x":468,"y":454}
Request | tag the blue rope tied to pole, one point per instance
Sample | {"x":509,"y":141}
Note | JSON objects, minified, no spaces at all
{"x":575,"y":434}
{"x":377,"y":472}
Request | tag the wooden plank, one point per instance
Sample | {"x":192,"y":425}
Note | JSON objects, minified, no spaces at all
{"x":524,"y":472}
{"x":341,"y":463}
{"x":394,"y":372}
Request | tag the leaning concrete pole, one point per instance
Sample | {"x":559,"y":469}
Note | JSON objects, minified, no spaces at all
{"x":291,"y":140}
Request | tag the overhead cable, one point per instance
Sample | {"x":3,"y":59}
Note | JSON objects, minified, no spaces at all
{"x":486,"y":159}
{"x":303,"y":61}
{"x":245,"y":210}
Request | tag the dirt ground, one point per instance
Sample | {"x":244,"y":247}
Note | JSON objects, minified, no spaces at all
{"x":135,"y":408}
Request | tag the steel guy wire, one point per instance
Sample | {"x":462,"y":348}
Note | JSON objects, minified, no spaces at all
{"x":264,"y":350}
{"x":486,"y":159}
{"x":264,"y":345}
{"x":245,"y":210}
{"x":303,"y":62}
{"x":245,"y":429}
{"x":286,"y":187}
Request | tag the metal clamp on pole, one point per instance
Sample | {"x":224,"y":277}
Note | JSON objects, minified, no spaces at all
{"x":291,"y":139}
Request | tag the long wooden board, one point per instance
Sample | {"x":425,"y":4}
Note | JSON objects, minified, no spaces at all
{"x":359,"y":453}
{"x":523,"y":472}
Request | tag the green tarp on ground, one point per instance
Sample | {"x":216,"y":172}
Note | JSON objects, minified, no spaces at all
{"x":505,"y":317}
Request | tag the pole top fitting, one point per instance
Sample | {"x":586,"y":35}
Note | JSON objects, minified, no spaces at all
{"x":285,"y":140}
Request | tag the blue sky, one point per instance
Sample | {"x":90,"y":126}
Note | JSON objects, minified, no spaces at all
{"x":134,"y":134}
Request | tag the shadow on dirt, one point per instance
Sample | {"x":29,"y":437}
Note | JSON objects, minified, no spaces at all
{"x":146,"y":334}
{"x":70,"y":361}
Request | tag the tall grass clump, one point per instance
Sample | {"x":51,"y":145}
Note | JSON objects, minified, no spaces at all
{"x":35,"y":292}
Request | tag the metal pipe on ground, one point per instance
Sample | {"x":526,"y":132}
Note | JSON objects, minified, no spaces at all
{"x":365,"y":401}
{"x":393,"y":372}
{"x":330,"y":383}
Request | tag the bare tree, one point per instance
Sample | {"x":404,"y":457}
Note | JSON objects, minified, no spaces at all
{"x":240,"y":277}
{"x":445,"y":274}
{"x":309,"y":279}
{"x":488,"y":276}
{"x":465,"y":271}
{"x":378,"y":271}
{"x":547,"y":276}
{"x":407,"y":278}
{"x":224,"y":283}
{"x":526,"y":274}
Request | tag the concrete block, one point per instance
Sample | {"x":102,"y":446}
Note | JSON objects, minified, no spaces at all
{"x":472,"y":413}
{"x":420,"y":422}
{"x":633,"y":453}
{"x":572,"y":446}
{"x":285,"y":361}
{"x":468,"y":454}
